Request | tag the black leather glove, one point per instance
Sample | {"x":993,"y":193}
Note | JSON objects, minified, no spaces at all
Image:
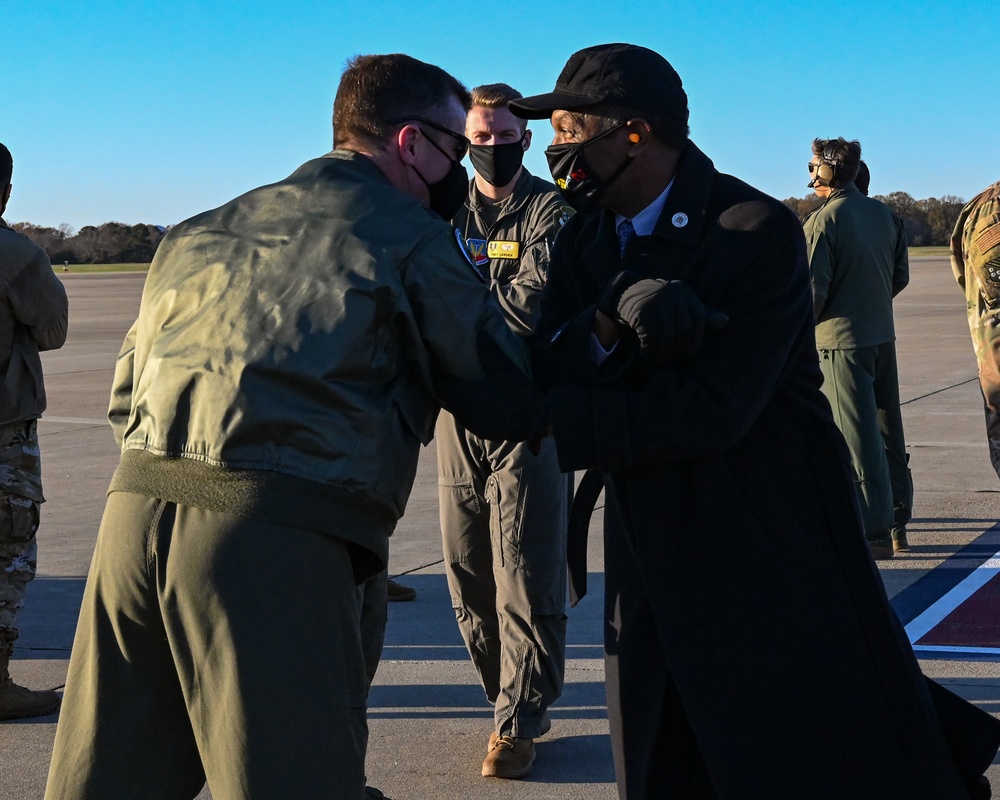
{"x":668,"y":318}
{"x":505,"y":406}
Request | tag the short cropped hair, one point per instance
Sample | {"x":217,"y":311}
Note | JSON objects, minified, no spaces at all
{"x":847,"y":155}
{"x":497,"y":95}
{"x":6,"y":166}
{"x":378,"y":88}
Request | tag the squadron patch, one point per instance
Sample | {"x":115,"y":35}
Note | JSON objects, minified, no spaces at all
{"x":500,"y":249}
{"x":468,"y":256}
{"x":565,"y":212}
{"x":478,"y":249}
{"x":991,"y":273}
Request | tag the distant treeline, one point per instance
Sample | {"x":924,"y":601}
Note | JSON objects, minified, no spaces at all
{"x":110,"y":243}
{"x":926,"y":222}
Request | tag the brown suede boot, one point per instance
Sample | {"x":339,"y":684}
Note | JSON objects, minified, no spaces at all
{"x":16,"y":702}
{"x":509,"y":758}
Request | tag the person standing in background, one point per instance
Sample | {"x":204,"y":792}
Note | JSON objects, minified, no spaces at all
{"x":504,"y":505}
{"x":34,"y":315}
{"x":975,"y":261}
{"x":858,"y":262}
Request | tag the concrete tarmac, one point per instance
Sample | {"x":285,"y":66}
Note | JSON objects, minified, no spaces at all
{"x":429,"y":720}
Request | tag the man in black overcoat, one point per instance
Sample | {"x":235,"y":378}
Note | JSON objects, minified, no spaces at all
{"x":751,"y":650}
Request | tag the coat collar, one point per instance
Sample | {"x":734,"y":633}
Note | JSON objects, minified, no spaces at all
{"x":684,"y":213}
{"x":682,"y":219}
{"x":844,"y":190}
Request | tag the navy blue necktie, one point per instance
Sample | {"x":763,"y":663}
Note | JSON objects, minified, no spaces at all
{"x":626,"y":233}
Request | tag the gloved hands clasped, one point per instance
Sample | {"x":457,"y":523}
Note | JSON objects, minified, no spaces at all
{"x":504,"y":406}
{"x":668,"y":318}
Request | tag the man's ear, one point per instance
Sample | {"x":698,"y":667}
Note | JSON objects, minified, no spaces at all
{"x":406,"y":142}
{"x":526,"y":143}
{"x":4,"y":197}
{"x":639,"y":135}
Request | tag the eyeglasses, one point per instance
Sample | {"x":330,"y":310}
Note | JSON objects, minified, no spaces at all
{"x":463,"y":142}
{"x":812,"y":167}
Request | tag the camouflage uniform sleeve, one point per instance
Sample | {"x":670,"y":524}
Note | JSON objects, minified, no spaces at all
{"x":957,"y":258}
{"x":975,"y":250}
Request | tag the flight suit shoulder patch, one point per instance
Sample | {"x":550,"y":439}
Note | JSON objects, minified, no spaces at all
{"x":477,"y":248}
{"x":469,"y":258}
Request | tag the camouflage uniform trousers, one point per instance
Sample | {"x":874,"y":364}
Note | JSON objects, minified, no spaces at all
{"x":20,"y":498}
{"x":975,"y":261}
{"x":985,"y":331}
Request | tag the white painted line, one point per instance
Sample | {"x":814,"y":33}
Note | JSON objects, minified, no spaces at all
{"x":974,"y":651}
{"x":949,"y":444}
{"x":935,"y":613}
{"x":75,"y":420}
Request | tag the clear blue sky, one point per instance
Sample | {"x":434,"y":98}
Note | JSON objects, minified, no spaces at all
{"x":149,"y":112}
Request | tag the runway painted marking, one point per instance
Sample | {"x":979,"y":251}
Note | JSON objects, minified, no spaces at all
{"x":75,"y":420}
{"x":960,"y":612}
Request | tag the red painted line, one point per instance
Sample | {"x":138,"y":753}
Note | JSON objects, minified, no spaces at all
{"x":973,"y":623}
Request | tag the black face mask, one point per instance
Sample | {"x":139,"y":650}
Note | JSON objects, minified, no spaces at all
{"x":447,"y":194}
{"x":497,"y":164}
{"x":573,"y":175}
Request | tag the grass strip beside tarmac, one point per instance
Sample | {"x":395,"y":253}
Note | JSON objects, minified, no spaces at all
{"x":100,"y":267}
{"x":914,"y":251}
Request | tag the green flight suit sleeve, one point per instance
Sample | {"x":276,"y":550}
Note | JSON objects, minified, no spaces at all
{"x":451,"y":306}
{"x":521,"y":297}
{"x":820,"y":235}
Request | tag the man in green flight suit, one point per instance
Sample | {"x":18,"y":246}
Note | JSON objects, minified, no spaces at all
{"x":858,"y":262}
{"x":504,"y":507}
{"x":975,"y":260}
{"x":290,"y":356}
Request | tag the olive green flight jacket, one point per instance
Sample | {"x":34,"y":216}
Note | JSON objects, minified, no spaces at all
{"x":858,"y":261}
{"x":291,"y":338}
